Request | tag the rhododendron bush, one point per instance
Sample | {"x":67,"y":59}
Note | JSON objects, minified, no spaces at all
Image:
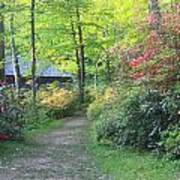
{"x":11,"y":121}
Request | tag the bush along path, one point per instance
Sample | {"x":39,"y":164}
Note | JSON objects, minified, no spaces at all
{"x":59,"y":154}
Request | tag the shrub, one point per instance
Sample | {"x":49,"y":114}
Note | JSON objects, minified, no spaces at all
{"x":19,"y":114}
{"x":139,"y":119}
{"x":96,"y":107}
{"x":113,"y":122}
{"x":171,"y":142}
{"x":33,"y":116}
{"x":58,"y":102}
{"x":11,"y":122}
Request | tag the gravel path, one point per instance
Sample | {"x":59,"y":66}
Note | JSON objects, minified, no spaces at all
{"x":58,"y":155}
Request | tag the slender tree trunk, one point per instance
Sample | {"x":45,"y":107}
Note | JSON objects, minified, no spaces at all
{"x":155,"y":14}
{"x":81,"y":54}
{"x":33,"y":46}
{"x":77,"y":57}
{"x":2,"y":45}
{"x":14,"y":54}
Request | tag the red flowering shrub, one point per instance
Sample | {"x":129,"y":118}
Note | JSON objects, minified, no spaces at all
{"x":153,"y":47}
{"x":160,"y":57}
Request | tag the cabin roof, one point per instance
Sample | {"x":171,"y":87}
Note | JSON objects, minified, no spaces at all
{"x":43,"y":69}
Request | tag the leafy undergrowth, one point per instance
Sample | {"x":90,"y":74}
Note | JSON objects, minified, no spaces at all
{"x":11,"y":149}
{"x":131,"y":165}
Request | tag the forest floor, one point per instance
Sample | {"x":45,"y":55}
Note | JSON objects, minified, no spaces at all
{"x":60,"y":154}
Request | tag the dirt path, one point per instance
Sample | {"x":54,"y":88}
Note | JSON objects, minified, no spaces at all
{"x":58,"y":155}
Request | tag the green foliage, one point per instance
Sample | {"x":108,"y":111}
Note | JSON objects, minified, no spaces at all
{"x":100,"y":102}
{"x":94,"y":110}
{"x":139,"y":120}
{"x":11,"y":121}
{"x":18,"y":115}
{"x":171,"y":142}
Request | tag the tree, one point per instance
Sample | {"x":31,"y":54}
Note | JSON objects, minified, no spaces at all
{"x":14,"y":55}
{"x":72,"y":26}
{"x":2,"y":42}
{"x":81,"y":54}
{"x":155,"y":15}
{"x":74,"y":34}
{"x":33,"y":47}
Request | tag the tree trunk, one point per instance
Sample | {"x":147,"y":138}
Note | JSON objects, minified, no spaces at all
{"x":14,"y":55}
{"x":33,"y":47}
{"x":155,"y":15}
{"x":81,"y":54}
{"x":77,"y":58}
{"x":2,"y":45}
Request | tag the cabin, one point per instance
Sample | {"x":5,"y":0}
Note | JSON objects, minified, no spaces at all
{"x":46,"y":72}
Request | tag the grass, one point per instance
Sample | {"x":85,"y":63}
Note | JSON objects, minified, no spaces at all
{"x":48,"y":126}
{"x":131,"y":165}
{"x":10,"y":149}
